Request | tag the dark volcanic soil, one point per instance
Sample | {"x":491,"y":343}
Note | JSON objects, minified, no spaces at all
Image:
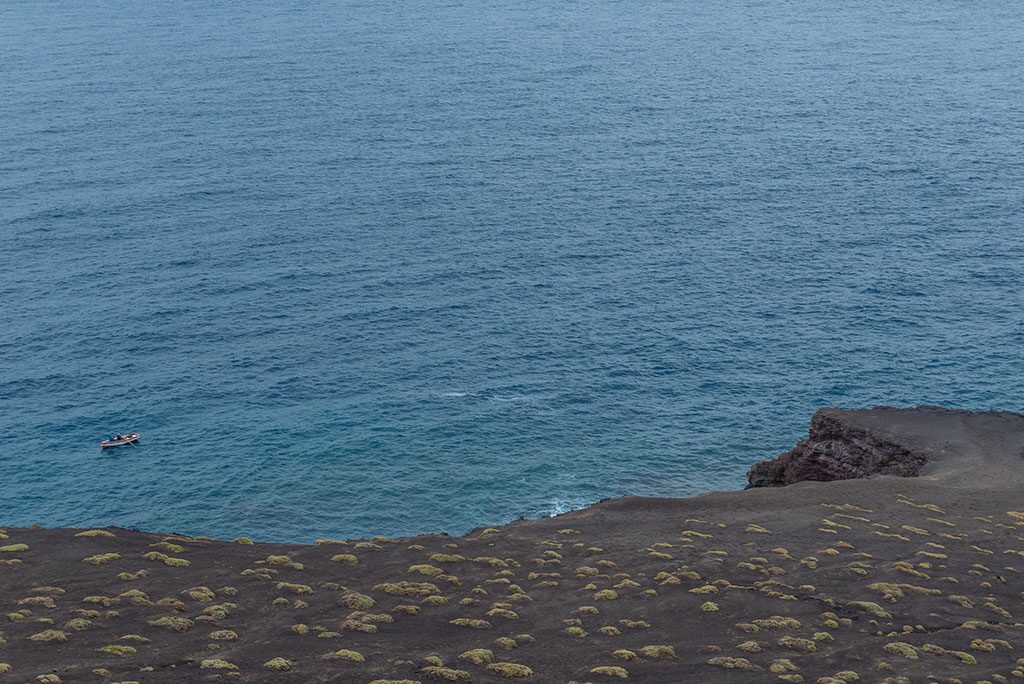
{"x":894,"y":579}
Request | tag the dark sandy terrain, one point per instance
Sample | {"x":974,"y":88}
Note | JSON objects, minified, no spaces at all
{"x":887,"y":578}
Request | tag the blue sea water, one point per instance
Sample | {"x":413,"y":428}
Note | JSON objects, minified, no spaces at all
{"x":393,"y":267}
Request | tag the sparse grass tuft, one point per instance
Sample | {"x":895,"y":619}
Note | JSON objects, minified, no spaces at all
{"x":49,"y":635}
{"x":782,"y":666}
{"x":446,"y":558}
{"x":357,"y":601}
{"x":478,"y":656}
{"x":284,"y":560}
{"x":200,"y":594}
{"x":731,"y":663}
{"x":511,"y":670}
{"x":177,"y":624}
{"x":118,"y":650}
{"x":14,"y":548}
{"x":446,"y":673}
{"x":346,"y":558}
{"x":300,"y":589}
{"x":168,"y":547}
{"x":872,"y":608}
{"x":408,"y":588}
{"x":101,"y":558}
{"x":611,"y":671}
{"x":280,"y":664}
{"x":507,"y":643}
{"x":901,"y":649}
{"x":797,"y":644}
{"x":95,"y":533}
{"x":217,"y":664}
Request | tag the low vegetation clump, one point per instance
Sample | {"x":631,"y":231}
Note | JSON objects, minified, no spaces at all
{"x":507,"y":643}
{"x":478,"y":656}
{"x":117,"y":650}
{"x":346,"y":654}
{"x":280,"y":664}
{"x":346,"y":558}
{"x":167,"y":560}
{"x":624,"y":654}
{"x":217,"y":664}
{"x":132,"y":576}
{"x":404,"y":588}
{"x":168,"y":547}
{"x":357,"y":601}
{"x":446,"y":558}
{"x":49,"y":635}
{"x":798,"y":644}
{"x":511,"y":670}
{"x":471,"y":622}
{"x":224,"y":635}
{"x":300,"y":589}
{"x":782,"y":666}
{"x":200,"y":594}
{"x":95,"y":533}
{"x":611,"y":671}
{"x":659,"y":652}
{"x":446,"y":673}
{"x":872,"y":608}
{"x":730,"y":663}
{"x":901,"y":649}
{"x":177,"y":624}
{"x":14,"y":548}
{"x":44,"y":601}
{"x":101,"y":558}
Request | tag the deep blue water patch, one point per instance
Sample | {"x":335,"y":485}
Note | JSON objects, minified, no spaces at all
{"x":377,"y":267}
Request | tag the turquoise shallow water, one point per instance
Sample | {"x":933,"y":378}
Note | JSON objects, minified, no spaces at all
{"x":373,"y":267}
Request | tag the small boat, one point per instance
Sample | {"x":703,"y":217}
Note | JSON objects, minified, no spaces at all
{"x":121,"y":440}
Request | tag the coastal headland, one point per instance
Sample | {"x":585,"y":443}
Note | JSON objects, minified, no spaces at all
{"x":887,"y":547}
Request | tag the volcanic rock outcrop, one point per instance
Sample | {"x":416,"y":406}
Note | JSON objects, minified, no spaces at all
{"x":837,"y":449}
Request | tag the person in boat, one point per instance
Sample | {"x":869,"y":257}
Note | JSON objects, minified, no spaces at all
{"x":118,"y":436}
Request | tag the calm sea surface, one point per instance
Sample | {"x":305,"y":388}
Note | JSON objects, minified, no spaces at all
{"x":396,"y":267}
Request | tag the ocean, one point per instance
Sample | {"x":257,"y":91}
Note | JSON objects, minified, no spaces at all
{"x":369,"y":267}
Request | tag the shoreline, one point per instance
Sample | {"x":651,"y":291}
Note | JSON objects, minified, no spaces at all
{"x":886,"y":576}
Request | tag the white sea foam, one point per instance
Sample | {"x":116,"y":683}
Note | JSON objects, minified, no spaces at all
{"x":560,"y":506}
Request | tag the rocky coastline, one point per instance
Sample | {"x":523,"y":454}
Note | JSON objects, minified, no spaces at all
{"x":888,"y":546}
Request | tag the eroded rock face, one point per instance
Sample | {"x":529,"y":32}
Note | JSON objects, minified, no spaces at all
{"x":836,"y":451}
